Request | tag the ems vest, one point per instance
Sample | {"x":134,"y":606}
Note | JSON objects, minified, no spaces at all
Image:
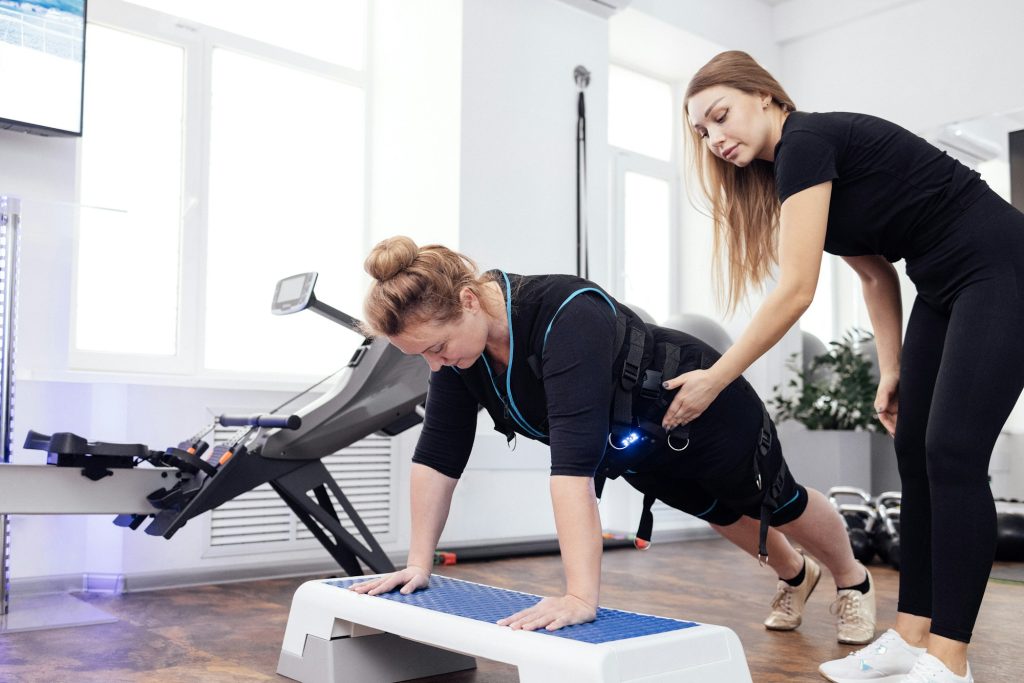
{"x":515,"y":399}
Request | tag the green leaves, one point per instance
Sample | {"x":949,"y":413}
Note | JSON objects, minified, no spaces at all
{"x":835,"y":391}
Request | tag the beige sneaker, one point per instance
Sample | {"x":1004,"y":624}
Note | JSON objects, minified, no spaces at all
{"x":855,"y":614}
{"x":788,"y":603}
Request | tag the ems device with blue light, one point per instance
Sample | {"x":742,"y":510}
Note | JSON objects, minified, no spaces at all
{"x":335,"y":635}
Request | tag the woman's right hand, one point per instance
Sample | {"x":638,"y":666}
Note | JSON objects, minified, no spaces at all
{"x":410,"y":579}
{"x":887,"y":402}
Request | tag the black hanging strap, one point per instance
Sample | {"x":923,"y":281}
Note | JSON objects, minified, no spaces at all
{"x":582,"y":77}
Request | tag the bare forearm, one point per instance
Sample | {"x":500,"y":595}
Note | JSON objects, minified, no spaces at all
{"x":885,"y":308}
{"x":779,"y":311}
{"x":431,"y":498}
{"x":579,"y":535}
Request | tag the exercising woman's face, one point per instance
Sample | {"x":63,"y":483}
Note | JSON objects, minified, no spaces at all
{"x":456,"y":343}
{"x":733,"y":124}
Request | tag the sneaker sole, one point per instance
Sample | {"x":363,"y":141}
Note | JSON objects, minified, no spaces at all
{"x":793,"y":628}
{"x":888,"y":679}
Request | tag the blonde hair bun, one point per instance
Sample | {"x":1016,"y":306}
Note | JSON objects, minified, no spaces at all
{"x":390,"y":257}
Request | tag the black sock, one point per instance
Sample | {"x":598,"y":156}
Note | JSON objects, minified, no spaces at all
{"x":799,"y":578}
{"x":863,"y":587}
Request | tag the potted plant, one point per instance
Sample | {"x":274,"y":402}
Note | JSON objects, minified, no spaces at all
{"x":827,"y":424}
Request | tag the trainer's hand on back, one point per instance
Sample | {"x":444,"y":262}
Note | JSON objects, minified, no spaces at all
{"x":697,"y":390}
{"x":410,"y":579}
{"x":552,"y":614}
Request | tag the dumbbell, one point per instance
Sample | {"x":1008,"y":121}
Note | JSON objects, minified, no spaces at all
{"x":889,"y":499}
{"x":887,"y":534}
{"x":861,"y":521}
{"x":860,"y":495}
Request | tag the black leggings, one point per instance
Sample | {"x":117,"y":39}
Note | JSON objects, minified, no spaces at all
{"x":961,"y":372}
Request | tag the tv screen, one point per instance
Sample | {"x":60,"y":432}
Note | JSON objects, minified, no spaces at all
{"x":42,"y":55}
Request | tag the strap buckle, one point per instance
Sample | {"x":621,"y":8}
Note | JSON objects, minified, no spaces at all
{"x":630,"y":374}
{"x":651,"y":388}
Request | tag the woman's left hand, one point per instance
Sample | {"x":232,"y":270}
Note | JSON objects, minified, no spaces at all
{"x":697,"y":390}
{"x":552,"y":614}
{"x":887,"y":401}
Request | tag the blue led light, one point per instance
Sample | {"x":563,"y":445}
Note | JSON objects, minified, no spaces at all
{"x":630,"y":438}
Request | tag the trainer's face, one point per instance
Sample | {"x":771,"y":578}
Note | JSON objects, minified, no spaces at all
{"x":734,"y":125}
{"x":457,"y":343}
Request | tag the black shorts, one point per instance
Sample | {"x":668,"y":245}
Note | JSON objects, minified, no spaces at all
{"x":714,"y":478}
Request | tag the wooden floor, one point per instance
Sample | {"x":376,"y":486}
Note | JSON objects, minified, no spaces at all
{"x":232,"y":632}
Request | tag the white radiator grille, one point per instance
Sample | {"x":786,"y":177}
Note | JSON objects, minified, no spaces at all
{"x":260,"y":520}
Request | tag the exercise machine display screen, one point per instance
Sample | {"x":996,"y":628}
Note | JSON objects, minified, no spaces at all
{"x":293,"y":293}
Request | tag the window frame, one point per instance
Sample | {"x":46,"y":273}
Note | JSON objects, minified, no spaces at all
{"x":624,"y":161}
{"x":198,"y":42}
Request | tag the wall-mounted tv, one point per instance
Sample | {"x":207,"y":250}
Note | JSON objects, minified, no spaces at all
{"x":42,"y":59}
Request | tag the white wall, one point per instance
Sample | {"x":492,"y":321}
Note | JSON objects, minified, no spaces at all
{"x":416,"y":72}
{"x":737,"y":24}
{"x":921,"y":64}
{"x":518,"y":191}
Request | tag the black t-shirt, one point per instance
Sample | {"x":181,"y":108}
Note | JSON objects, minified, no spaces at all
{"x":576,"y":367}
{"x":893,"y":193}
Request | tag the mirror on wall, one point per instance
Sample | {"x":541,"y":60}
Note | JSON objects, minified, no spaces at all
{"x":992,"y":145}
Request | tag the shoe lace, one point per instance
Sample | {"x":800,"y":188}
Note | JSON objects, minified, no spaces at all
{"x":847,"y":607}
{"x":783,"y":600}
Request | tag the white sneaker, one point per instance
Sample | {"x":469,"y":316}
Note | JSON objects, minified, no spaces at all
{"x":928,"y":669}
{"x":887,"y":660}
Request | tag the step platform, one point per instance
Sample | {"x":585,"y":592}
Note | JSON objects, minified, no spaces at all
{"x":337,"y":636}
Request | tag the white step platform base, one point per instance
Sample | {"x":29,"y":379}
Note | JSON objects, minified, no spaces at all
{"x":337,"y":636}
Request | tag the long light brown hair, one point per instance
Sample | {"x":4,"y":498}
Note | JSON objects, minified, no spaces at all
{"x":415,"y":284}
{"x":742,"y":201}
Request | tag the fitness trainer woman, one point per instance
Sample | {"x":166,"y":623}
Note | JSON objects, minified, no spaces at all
{"x":556,"y":359}
{"x":784,"y":186}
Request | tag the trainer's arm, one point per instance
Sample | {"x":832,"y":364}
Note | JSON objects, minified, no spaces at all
{"x":803,"y":220}
{"x":881,"y":287}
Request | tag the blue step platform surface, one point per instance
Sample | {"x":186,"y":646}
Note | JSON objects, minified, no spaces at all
{"x":489,"y":604}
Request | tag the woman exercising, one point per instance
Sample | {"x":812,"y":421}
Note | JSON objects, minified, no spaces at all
{"x":783,"y":187}
{"x":556,"y":359}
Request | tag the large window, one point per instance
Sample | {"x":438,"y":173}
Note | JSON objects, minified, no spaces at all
{"x":223,"y":150}
{"x":132,"y":163}
{"x":642,"y":134}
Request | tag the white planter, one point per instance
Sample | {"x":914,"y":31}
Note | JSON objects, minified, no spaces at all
{"x":821,"y":459}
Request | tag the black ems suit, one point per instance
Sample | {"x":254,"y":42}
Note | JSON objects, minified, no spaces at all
{"x":584,"y":376}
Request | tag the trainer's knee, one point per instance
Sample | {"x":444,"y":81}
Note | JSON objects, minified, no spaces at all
{"x":954,"y":456}
{"x":910,"y":454}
